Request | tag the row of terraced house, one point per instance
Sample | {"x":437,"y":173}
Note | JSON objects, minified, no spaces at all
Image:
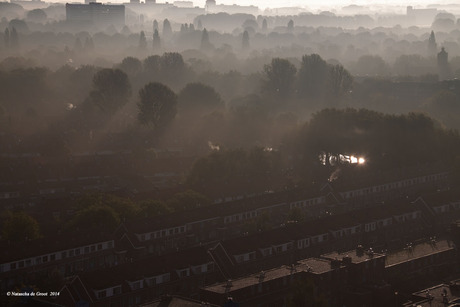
{"x":220,"y":231}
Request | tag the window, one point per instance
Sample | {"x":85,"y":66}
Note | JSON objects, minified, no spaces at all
{"x":71,"y":253}
{"x":99,"y":247}
{"x":184,"y":273}
{"x":110,"y":244}
{"x":136,"y":285}
{"x":52,"y":257}
{"x":117,"y":290}
{"x":86,"y":249}
{"x":13,"y":266}
{"x":63,"y":255}
{"x":77,"y":252}
{"x":102,"y":294}
{"x":21,"y":264}
{"x":45,"y":258}
{"x":93,"y":248}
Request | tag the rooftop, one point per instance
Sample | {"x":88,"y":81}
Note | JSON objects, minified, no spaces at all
{"x":418,"y":251}
{"x":311,"y":265}
{"x":355,"y":256}
{"x":437,"y":296}
{"x":176,"y":301}
{"x":145,"y":268}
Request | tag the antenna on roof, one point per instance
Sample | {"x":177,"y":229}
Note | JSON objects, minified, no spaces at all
{"x":261,"y":276}
{"x":228,"y":285}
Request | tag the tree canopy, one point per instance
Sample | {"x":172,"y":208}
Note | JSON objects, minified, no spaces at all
{"x":199,"y":97}
{"x":20,"y":227}
{"x":280,"y":77}
{"x":111,"y":90}
{"x":157,"y":105}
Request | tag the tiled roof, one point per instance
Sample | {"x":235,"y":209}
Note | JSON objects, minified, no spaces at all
{"x":175,"y":301}
{"x":148,"y":267}
{"x":441,"y":197}
{"x":311,"y":265}
{"x":61,"y":242}
{"x":320,"y":226}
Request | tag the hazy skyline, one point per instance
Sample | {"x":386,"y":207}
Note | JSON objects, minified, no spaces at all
{"x":314,"y":5}
{"x":326,"y":3}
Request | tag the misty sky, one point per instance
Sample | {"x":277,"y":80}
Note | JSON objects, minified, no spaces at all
{"x":320,"y":3}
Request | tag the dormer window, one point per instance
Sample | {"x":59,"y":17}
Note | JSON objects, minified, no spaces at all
{"x":102,"y":294}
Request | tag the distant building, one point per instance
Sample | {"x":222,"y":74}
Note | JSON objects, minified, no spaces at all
{"x":187,"y":4}
{"x":421,"y":16}
{"x":96,"y":13}
{"x":210,"y":3}
{"x":212,"y":7}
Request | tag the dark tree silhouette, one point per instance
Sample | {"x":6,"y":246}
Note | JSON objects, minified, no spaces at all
{"x":205,"y":43}
{"x":173,"y":68}
{"x":14,"y":39}
{"x":156,"y":41}
{"x":371,"y":65}
{"x":313,"y":75}
{"x":279,"y":77}
{"x":89,"y":44}
{"x":19,"y":24}
{"x":152,"y":65}
{"x":290,"y":26}
{"x":340,"y":81}
{"x":20,"y":227}
{"x":37,"y":15}
{"x":188,"y":200}
{"x":157,"y":105}
{"x":142,"y":41}
{"x":199,"y":97}
{"x":245,"y":41}
{"x":100,"y":217}
{"x":77,"y":47}
{"x":131,"y":65}
{"x":264,"y":25}
{"x":167,"y":30}
{"x":6,"y":38}
{"x":111,"y":90}
{"x":432,"y":46}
